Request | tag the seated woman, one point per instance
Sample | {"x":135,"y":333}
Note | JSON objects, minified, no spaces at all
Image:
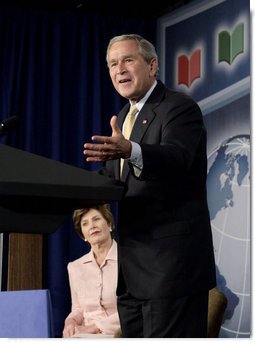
{"x":93,"y":277}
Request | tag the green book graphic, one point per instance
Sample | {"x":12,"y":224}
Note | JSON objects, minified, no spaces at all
{"x":231,"y":46}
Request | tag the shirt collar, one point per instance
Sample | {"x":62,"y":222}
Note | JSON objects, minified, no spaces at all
{"x":111,"y":255}
{"x":141,"y":102}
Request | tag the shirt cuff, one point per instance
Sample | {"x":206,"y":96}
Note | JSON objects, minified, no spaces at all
{"x":136,"y":158}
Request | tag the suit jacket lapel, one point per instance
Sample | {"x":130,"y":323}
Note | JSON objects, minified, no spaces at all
{"x":142,"y":123}
{"x":147,"y":113}
{"x":143,"y":120}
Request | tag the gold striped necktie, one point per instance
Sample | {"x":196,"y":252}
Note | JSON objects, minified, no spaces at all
{"x":128,"y":126}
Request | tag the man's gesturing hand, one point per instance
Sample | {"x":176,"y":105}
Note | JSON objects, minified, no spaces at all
{"x":107,"y":148}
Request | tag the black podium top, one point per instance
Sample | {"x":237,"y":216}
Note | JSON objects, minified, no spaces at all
{"x":37,"y":193}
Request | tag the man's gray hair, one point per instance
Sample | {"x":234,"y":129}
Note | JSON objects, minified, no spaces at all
{"x":146,"y":48}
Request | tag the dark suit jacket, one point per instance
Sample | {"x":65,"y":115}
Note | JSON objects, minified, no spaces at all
{"x":164,"y":233}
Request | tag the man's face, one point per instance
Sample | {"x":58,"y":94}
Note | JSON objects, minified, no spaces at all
{"x":131,"y":75}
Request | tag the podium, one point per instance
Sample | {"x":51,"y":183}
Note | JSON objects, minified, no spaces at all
{"x":37,"y":193}
{"x":36,"y":196}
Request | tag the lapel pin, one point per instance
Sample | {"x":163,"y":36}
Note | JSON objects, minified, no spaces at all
{"x":145,"y":121}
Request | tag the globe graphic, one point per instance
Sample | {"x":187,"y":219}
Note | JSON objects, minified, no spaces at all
{"x":228,"y":186}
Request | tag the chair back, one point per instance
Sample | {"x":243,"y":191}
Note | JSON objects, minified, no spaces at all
{"x":216,"y":308}
{"x":26,"y":314}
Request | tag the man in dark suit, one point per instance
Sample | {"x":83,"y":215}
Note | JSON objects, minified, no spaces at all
{"x":166,"y":257}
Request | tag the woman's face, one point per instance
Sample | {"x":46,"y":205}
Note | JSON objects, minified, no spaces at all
{"x":95,"y":228}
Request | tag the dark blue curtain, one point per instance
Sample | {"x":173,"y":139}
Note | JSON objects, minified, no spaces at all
{"x":53,"y":76}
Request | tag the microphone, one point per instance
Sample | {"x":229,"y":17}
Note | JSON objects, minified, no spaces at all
{"x":8,"y":124}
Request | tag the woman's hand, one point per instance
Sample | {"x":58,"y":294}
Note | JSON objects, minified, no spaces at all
{"x":69,"y":328}
{"x":81,"y":329}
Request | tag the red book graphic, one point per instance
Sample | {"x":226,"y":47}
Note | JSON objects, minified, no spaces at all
{"x":189,"y":70}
